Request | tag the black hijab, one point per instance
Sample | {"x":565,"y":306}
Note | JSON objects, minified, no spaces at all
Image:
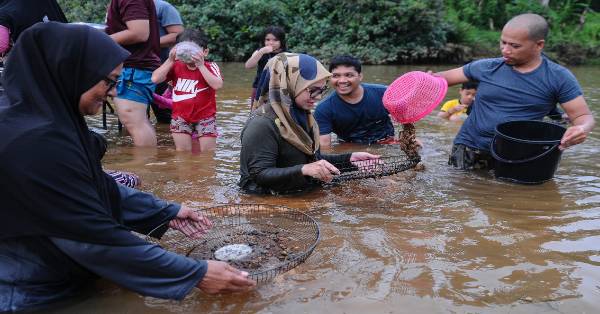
{"x":52,"y":181}
{"x":18,"y":15}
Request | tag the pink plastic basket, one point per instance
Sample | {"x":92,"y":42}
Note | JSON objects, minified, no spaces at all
{"x":414,"y":95}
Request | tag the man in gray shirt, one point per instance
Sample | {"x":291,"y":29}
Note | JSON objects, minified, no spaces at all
{"x":170,"y":26}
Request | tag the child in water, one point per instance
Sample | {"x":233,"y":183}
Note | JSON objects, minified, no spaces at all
{"x":273,"y":39}
{"x":194,"y":81}
{"x":458,"y":109}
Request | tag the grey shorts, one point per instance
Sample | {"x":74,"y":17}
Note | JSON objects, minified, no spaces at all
{"x":468,"y":158}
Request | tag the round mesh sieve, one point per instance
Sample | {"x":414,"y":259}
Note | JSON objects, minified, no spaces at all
{"x":264,"y":240}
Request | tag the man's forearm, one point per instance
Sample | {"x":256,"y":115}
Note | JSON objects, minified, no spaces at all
{"x":586,"y":121}
{"x":127,"y":37}
{"x":168,"y":40}
{"x":454,"y":76}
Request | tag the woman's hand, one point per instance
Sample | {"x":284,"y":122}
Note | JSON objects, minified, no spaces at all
{"x":266,"y":49}
{"x":364,"y":161}
{"x":221,"y":277}
{"x":358,"y":156}
{"x":320,"y":170}
{"x":190,"y":222}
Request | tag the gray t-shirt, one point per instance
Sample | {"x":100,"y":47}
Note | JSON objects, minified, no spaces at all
{"x":166,"y":15}
{"x":506,"y":95}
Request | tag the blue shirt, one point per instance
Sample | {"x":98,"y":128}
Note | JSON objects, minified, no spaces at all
{"x":506,"y":95}
{"x":166,"y":15}
{"x":364,"y":122}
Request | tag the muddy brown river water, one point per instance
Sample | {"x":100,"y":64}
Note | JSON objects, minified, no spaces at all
{"x":436,"y":241}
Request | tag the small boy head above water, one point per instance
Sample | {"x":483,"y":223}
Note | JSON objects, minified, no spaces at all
{"x":458,"y":109}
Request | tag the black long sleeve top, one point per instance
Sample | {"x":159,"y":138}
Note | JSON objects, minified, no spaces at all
{"x":269,"y":164}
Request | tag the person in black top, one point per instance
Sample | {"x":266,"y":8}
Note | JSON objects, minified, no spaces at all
{"x":65,"y":222}
{"x":273,"y":41}
{"x":18,"y":15}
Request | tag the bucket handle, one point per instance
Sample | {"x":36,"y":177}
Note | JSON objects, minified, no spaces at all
{"x":520,"y":161}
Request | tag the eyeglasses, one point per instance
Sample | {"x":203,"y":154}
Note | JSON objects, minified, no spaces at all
{"x":313,"y":92}
{"x":110,"y":83}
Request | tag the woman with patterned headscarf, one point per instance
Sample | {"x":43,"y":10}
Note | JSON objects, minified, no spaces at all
{"x":280,"y":142}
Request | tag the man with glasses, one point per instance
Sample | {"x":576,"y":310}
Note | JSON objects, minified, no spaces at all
{"x":355,"y":111}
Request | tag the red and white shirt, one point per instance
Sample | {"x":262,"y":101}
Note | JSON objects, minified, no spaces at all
{"x":193,"y":98}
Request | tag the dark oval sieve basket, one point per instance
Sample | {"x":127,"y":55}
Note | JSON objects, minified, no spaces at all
{"x":384,"y":166}
{"x":264,"y":240}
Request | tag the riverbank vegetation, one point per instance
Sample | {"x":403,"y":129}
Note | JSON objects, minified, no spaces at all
{"x":380,"y":31}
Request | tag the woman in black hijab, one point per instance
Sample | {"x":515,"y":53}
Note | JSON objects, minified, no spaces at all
{"x":18,"y":15}
{"x":64,"y":221}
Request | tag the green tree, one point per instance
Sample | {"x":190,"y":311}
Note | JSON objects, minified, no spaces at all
{"x":377,"y":31}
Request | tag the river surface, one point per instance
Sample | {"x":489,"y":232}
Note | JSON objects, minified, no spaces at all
{"x":435,"y":241}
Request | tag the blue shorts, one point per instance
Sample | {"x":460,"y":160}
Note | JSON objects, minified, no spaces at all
{"x":136,"y":85}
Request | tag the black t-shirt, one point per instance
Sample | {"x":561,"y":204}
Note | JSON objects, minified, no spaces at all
{"x":261,"y":65}
{"x":18,"y":15}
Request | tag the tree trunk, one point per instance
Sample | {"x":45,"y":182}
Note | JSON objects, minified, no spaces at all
{"x":545,"y":3}
{"x":582,"y":19}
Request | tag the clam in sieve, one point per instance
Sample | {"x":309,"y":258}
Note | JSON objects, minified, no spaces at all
{"x":233,"y":252}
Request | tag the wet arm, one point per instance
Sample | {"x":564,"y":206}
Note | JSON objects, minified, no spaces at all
{"x":579,"y":113}
{"x":582,"y":119}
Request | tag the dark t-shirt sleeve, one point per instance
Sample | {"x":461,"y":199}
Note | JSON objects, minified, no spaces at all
{"x":145,"y":213}
{"x":473,"y":70}
{"x":569,"y":88}
{"x":260,"y":66}
{"x":323,"y":115}
{"x":133,"y":10}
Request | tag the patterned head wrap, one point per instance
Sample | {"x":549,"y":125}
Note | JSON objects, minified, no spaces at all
{"x":286,"y":76}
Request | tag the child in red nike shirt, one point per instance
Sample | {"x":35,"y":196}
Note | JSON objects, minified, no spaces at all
{"x":194,"y":81}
